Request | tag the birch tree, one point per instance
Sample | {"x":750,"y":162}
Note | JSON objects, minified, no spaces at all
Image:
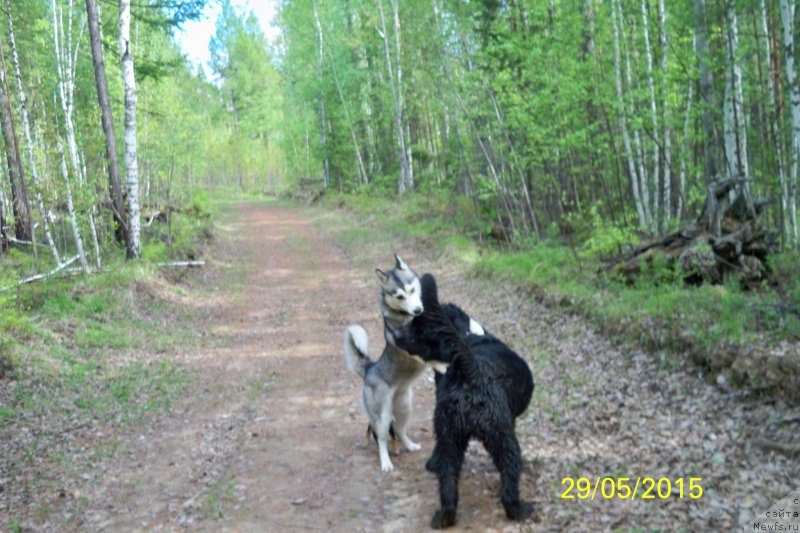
{"x":28,"y":140}
{"x":706,"y":84}
{"x":73,"y":217}
{"x":773,"y":121}
{"x":654,"y":117}
{"x":107,"y":121}
{"x":323,"y":124}
{"x":787,"y":22}
{"x":131,"y":164}
{"x":644,"y":181}
{"x":623,"y":122}
{"x":405,"y":181}
{"x":23,"y":225}
{"x":734,"y":122}
{"x":662,"y":31}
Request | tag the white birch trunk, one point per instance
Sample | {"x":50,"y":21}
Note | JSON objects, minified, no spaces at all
{"x":362,"y":171}
{"x":623,"y":123}
{"x":654,"y":114}
{"x":73,"y":217}
{"x":662,"y":29}
{"x":92,"y":217}
{"x":65,"y":65}
{"x":684,"y":151}
{"x":28,"y":140}
{"x":405,"y":172}
{"x":323,"y":134}
{"x":644,"y":186}
{"x":131,"y":163}
{"x":734,"y":119}
{"x":787,"y":21}
{"x":399,"y":68}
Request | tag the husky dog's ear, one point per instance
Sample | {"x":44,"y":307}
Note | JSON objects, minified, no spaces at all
{"x":383,"y":278}
{"x":399,"y":263}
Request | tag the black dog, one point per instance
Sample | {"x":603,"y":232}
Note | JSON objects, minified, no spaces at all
{"x":487,"y":385}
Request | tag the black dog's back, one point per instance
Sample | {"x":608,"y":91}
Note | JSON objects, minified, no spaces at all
{"x":486,"y":386}
{"x":505,"y":363}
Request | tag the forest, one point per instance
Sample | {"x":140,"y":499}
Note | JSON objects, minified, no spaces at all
{"x":596,"y":121}
{"x":574,"y":169}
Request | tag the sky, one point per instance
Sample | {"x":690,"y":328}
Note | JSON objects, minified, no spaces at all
{"x":195,"y":35}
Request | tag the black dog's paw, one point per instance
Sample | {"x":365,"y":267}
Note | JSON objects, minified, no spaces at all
{"x":444,"y":518}
{"x":519,"y":511}
{"x":432,"y":465}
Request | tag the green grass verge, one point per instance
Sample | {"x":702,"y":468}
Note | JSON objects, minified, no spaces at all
{"x":83,"y":353}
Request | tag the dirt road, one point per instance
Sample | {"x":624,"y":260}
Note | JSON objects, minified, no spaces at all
{"x":270,"y":438}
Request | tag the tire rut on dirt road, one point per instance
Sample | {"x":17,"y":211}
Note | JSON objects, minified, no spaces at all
{"x":270,"y":437}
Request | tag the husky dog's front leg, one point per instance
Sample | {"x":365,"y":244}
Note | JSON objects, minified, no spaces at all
{"x":402,"y":412}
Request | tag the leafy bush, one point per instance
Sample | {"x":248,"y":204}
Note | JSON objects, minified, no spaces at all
{"x":606,"y":239}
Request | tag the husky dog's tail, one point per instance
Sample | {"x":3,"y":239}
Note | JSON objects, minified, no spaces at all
{"x":355,"y":350}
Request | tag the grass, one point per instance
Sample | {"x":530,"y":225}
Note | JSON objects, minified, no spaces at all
{"x":92,"y":351}
{"x":718,"y":327}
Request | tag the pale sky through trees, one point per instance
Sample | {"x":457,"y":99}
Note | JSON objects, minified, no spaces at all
{"x":195,"y":35}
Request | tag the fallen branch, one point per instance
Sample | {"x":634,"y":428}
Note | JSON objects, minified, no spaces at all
{"x":27,"y":243}
{"x":182,"y":264}
{"x":152,"y":216}
{"x":779,"y":447}
{"x":39,"y":277}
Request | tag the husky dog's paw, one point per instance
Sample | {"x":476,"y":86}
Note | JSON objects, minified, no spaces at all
{"x":519,"y":511}
{"x":443,"y":518}
{"x":386,"y":466}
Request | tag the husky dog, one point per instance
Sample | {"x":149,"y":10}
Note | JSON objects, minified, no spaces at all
{"x":387,"y":382}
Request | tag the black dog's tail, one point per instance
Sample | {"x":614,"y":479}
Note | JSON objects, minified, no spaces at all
{"x":463,"y":360}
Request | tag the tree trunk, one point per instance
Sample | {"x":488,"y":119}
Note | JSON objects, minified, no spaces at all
{"x":28,"y":139}
{"x":706,"y":91}
{"x":623,"y":121}
{"x":397,"y":100}
{"x":323,"y":134}
{"x":636,"y":153}
{"x":362,"y":171}
{"x":73,"y":217}
{"x":773,"y":123}
{"x":23,"y":226}
{"x":3,"y":236}
{"x":684,"y":151}
{"x":92,"y":217}
{"x":735,"y":124}
{"x":662,"y":29}
{"x":787,"y":20}
{"x":107,"y":121}
{"x":131,"y":164}
{"x":654,"y":114}
{"x":399,"y":68}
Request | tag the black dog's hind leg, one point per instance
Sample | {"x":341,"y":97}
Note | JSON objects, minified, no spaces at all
{"x":432,"y":464}
{"x":450,"y":458}
{"x":505,"y":452}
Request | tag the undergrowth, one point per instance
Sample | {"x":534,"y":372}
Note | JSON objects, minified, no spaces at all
{"x":710,"y":324}
{"x":80,"y":350}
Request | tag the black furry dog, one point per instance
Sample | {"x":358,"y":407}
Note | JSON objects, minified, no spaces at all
{"x":486,"y":386}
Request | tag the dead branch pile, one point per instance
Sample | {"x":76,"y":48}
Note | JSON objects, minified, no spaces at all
{"x":726,"y":238}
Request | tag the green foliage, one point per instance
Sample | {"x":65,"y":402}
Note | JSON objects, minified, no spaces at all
{"x":607,"y":240}
{"x":785,"y":267}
